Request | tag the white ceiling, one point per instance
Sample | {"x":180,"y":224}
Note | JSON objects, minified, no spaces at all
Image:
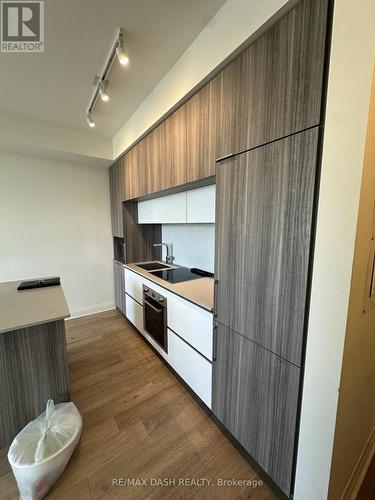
{"x":56,"y":86}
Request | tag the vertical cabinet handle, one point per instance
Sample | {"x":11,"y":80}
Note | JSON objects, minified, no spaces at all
{"x":216,"y":282}
{"x":214,"y":343}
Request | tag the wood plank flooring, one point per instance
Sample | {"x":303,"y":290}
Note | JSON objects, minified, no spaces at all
{"x":139,"y":422}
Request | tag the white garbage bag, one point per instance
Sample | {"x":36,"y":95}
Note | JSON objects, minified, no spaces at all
{"x":40,"y":452}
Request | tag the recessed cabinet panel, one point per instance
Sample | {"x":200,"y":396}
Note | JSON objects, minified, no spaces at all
{"x":273,"y":88}
{"x":255,"y":395}
{"x":201,"y":205}
{"x":264,"y":201}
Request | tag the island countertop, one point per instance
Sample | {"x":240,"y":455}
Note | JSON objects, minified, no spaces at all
{"x":22,"y":309}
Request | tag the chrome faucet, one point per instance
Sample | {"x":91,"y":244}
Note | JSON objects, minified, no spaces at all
{"x":169,"y":258}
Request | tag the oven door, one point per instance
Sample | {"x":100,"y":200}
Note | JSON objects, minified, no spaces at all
{"x":155,"y":321}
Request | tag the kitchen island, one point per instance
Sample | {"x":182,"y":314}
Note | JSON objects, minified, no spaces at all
{"x":33,"y":361}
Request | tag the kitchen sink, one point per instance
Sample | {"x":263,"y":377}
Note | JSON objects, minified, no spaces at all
{"x":153,"y":266}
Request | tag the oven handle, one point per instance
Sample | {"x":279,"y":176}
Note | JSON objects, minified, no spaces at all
{"x":153,"y":307}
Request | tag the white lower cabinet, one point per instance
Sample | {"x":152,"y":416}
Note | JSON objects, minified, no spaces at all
{"x":191,"y":366}
{"x":192,"y":323}
{"x":134,"y":313}
{"x":133,"y":285}
{"x":190,"y":331}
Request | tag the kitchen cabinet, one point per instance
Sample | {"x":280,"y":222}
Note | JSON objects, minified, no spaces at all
{"x":134,"y":312}
{"x":200,"y":205}
{"x":133,"y":285}
{"x":193,"y":207}
{"x":116,"y":185}
{"x":190,"y":337}
{"x":139,"y":238}
{"x":200,"y":139}
{"x":192,"y":323}
{"x":274,"y":88}
{"x":264,"y":202}
{"x":255,"y":396}
{"x":270,"y":90}
{"x":135,"y":173}
{"x":119,"y":281}
{"x":192,"y":367}
{"x":169,"y":209}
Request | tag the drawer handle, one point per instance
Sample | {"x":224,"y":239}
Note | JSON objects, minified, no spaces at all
{"x":216,"y":282}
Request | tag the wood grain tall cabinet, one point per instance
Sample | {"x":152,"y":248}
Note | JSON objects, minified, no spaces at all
{"x":271,"y":110}
{"x":116,"y":185}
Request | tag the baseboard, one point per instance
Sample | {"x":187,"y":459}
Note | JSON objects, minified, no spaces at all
{"x":360,"y":470}
{"x":91,"y":309}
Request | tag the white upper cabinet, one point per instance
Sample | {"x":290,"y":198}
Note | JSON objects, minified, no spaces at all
{"x":200,"y":205}
{"x":193,"y":207}
{"x":169,"y":209}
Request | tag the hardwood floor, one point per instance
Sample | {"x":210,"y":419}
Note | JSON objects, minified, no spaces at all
{"x":139,"y":422}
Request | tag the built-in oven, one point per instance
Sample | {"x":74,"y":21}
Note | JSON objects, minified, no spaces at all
{"x":155,"y":316}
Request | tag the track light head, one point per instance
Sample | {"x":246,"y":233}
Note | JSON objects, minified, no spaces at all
{"x":89,"y":119}
{"x":103,"y":90}
{"x":120,"y":51}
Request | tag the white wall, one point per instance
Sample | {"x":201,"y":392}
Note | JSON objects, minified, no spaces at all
{"x":354,"y":443}
{"x":20,"y":133}
{"x":233,"y":24}
{"x":353,"y":44}
{"x":193,"y":244}
{"x":55,"y":220}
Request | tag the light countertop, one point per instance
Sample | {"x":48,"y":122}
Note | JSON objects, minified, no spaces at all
{"x":198,"y":291}
{"x":22,"y":309}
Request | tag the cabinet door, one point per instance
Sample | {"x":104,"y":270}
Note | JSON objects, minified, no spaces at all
{"x":135,"y":173}
{"x":255,"y":396}
{"x":274,"y":88}
{"x":264,"y":201}
{"x":200,"y":141}
{"x":200,"y":205}
{"x":191,"y":366}
{"x":119,"y":282}
{"x":169,"y":209}
{"x":116,"y":184}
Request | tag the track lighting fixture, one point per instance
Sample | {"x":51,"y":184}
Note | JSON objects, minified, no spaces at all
{"x":102,"y":87}
{"x":89,"y":119}
{"x":120,"y":51}
{"x":101,"y":82}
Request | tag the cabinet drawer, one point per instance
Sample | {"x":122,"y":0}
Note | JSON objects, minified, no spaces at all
{"x":134,"y":313}
{"x":191,"y":366}
{"x":192,"y":323}
{"x":133,"y":285}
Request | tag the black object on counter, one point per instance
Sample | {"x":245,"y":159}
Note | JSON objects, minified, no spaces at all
{"x":42,"y":283}
{"x":181,"y":274}
{"x":202,"y":273}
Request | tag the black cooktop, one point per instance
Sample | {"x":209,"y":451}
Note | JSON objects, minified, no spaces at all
{"x":182,"y":274}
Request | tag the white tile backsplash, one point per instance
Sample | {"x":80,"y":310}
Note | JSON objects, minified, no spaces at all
{"x":193,"y":244}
